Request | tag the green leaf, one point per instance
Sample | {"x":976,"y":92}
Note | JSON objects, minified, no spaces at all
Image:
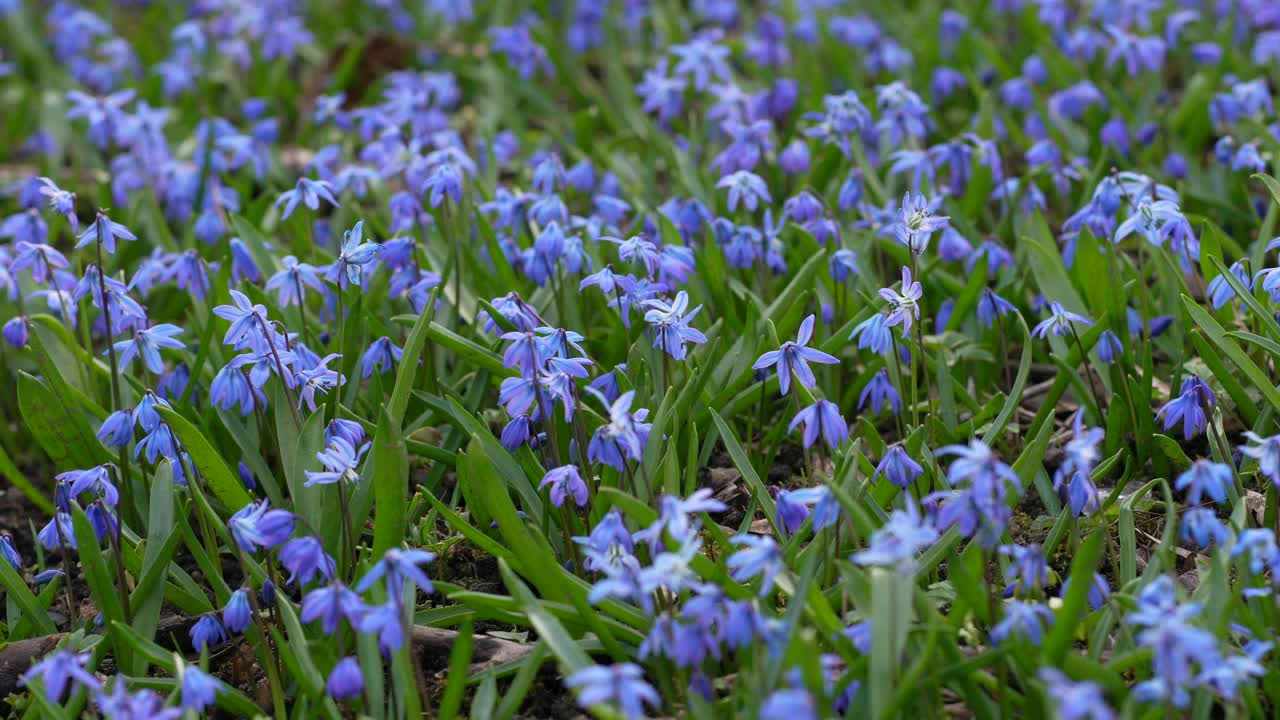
{"x":459,"y":660}
{"x":1215,"y":332}
{"x":390,"y":484}
{"x":60,"y":430}
{"x":743,"y":463}
{"x":20,"y":594}
{"x":1273,"y":185}
{"x":224,"y":484}
{"x":1073,"y":605}
{"x":24,"y":486}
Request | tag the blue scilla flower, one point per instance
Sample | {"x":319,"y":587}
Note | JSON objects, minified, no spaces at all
{"x":257,"y":525}
{"x":1220,"y":292}
{"x":879,"y":390}
{"x":396,"y":566}
{"x":826,"y":508}
{"x":898,"y":541}
{"x":146,"y":344}
{"x":1205,"y":478}
{"x":622,"y":685}
{"x":307,"y":191}
{"x":387,"y":623}
{"x":58,"y":533}
{"x":904,"y":305}
{"x":1059,"y":321}
{"x":8,"y":552}
{"x":789,"y":704}
{"x":17,"y":331}
{"x":1099,"y":591}
{"x":120,"y":704}
{"x":1267,"y":452}
{"x":758,"y":556}
{"x":382,"y":355}
{"x":96,"y":480}
{"x":198,"y":688}
{"x":843,"y":265}
{"x":1022,"y":618}
{"x":794,"y":357}
{"x":991,"y":306}
{"x":1260,"y":545}
{"x":1110,"y":348}
{"x":105,"y":232}
{"x":340,"y":460}
{"x":897,"y":467}
{"x":791,"y":513}
{"x":1072,"y":700}
{"x":207,"y":632}
{"x":354,"y":254}
{"x":1080,"y":455}
{"x":670,"y":325}
{"x":237,"y":614}
{"x":565,"y":481}
{"x":873,"y":334}
{"x":746,"y":188}
{"x":1191,"y":407}
{"x":248,"y":322}
{"x":60,"y":670}
{"x":1201,"y":526}
{"x":917,"y":223}
{"x":290,"y":283}
{"x":346,"y":680}
{"x":821,"y":418}
{"x":330,"y":605}
{"x":306,"y":560}
{"x":1027,"y":570}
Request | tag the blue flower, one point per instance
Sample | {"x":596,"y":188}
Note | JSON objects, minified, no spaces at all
{"x":1075,"y":700}
{"x":1205,"y":478}
{"x":60,"y":670}
{"x":880,"y":390}
{"x":1267,"y":452}
{"x":873,"y":334}
{"x":237,"y":615}
{"x":58,"y":533}
{"x":898,"y":467}
{"x":745,"y":187}
{"x":565,"y":481}
{"x":791,"y":513}
{"x":1110,"y":348}
{"x":992,"y":306}
{"x":199,"y":689}
{"x":795,"y":357}
{"x":1225,"y":677}
{"x":330,"y":605}
{"x":397,"y":566}
{"x":1080,"y":455}
{"x":382,"y":355}
{"x":1025,"y":618}
{"x":291,"y":281}
{"x":917,"y":224}
{"x":305,"y":559}
{"x":307,"y":191}
{"x":789,"y":704}
{"x":904,"y":306}
{"x":622,"y":684}
{"x":1220,"y":292}
{"x":624,"y":434}
{"x":256,"y":525}
{"x":1099,"y":591}
{"x":104,"y":231}
{"x":898,"y":541}
{"x":1260,"y":544}
{"x":339,"y":460}
{"x":1201,"y":526}
{"x":248,"y":322}
{"x":206,"y":632}
{"x":146,"y":344}
{"x":352,"y":257}
{"x":346,"y":681}
{"x":823,"y":416}
{"x":670,"y":325}
{"x":1027,"y":570}
{"x":387,"y":622}
{"x":759,"y":556}
{"x":8,"y":552}
{"x":826,"y":508}
{"x":1195,"y":400}
{"x":120,"y":704}
{"x":1058,"y":322}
